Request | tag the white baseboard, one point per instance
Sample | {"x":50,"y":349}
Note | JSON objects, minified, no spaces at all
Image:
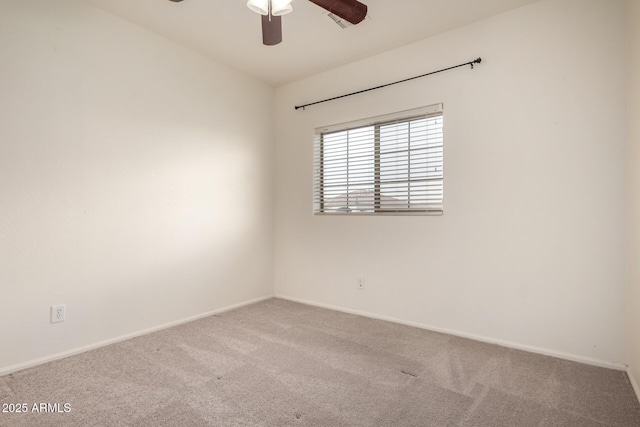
{"x":567,"y":356}
{"x":39,"y":361}
{"x":508,"y":344}
{"x":634,"y":383}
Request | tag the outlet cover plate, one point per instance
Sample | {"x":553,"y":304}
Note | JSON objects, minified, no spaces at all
{"x":57,"y":313}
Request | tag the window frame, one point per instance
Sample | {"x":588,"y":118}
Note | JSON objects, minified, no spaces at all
{"x":377,"y":122}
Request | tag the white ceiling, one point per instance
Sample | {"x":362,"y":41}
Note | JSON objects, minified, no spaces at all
{"x":226,"y":30}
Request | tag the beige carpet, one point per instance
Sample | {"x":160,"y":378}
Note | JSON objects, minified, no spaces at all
{"x":279,"y":363}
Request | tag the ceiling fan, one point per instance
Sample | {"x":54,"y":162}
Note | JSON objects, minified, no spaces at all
{"x":351,"y":11}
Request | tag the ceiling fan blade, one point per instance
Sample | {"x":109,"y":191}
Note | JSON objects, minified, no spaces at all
{"x":271,"y":30}
{"x":350,"y":10}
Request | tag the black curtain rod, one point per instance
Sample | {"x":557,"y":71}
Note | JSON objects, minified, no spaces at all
{"x":475,"y":61}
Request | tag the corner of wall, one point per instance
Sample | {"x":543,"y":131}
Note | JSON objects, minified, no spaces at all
{"x":633,"y":202}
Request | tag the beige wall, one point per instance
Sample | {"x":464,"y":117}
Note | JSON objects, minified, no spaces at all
{"x":131,"y":188}
{"x":531,"y":248}
{"x":633,"y":329}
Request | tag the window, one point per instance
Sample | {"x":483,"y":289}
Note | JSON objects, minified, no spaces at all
{"x":385,"y":165}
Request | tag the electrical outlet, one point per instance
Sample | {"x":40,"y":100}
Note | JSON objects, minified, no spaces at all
{"x":360,"y":283}
{"x":57,"y":313}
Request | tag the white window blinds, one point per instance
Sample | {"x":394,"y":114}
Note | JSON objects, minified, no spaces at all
{"x":391,"y":164}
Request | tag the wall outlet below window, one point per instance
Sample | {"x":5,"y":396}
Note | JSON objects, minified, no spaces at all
{"x":361,"y":283}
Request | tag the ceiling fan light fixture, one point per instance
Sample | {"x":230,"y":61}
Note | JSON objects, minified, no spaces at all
{"x":281,"y":7}
{"x":259,"y":6}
